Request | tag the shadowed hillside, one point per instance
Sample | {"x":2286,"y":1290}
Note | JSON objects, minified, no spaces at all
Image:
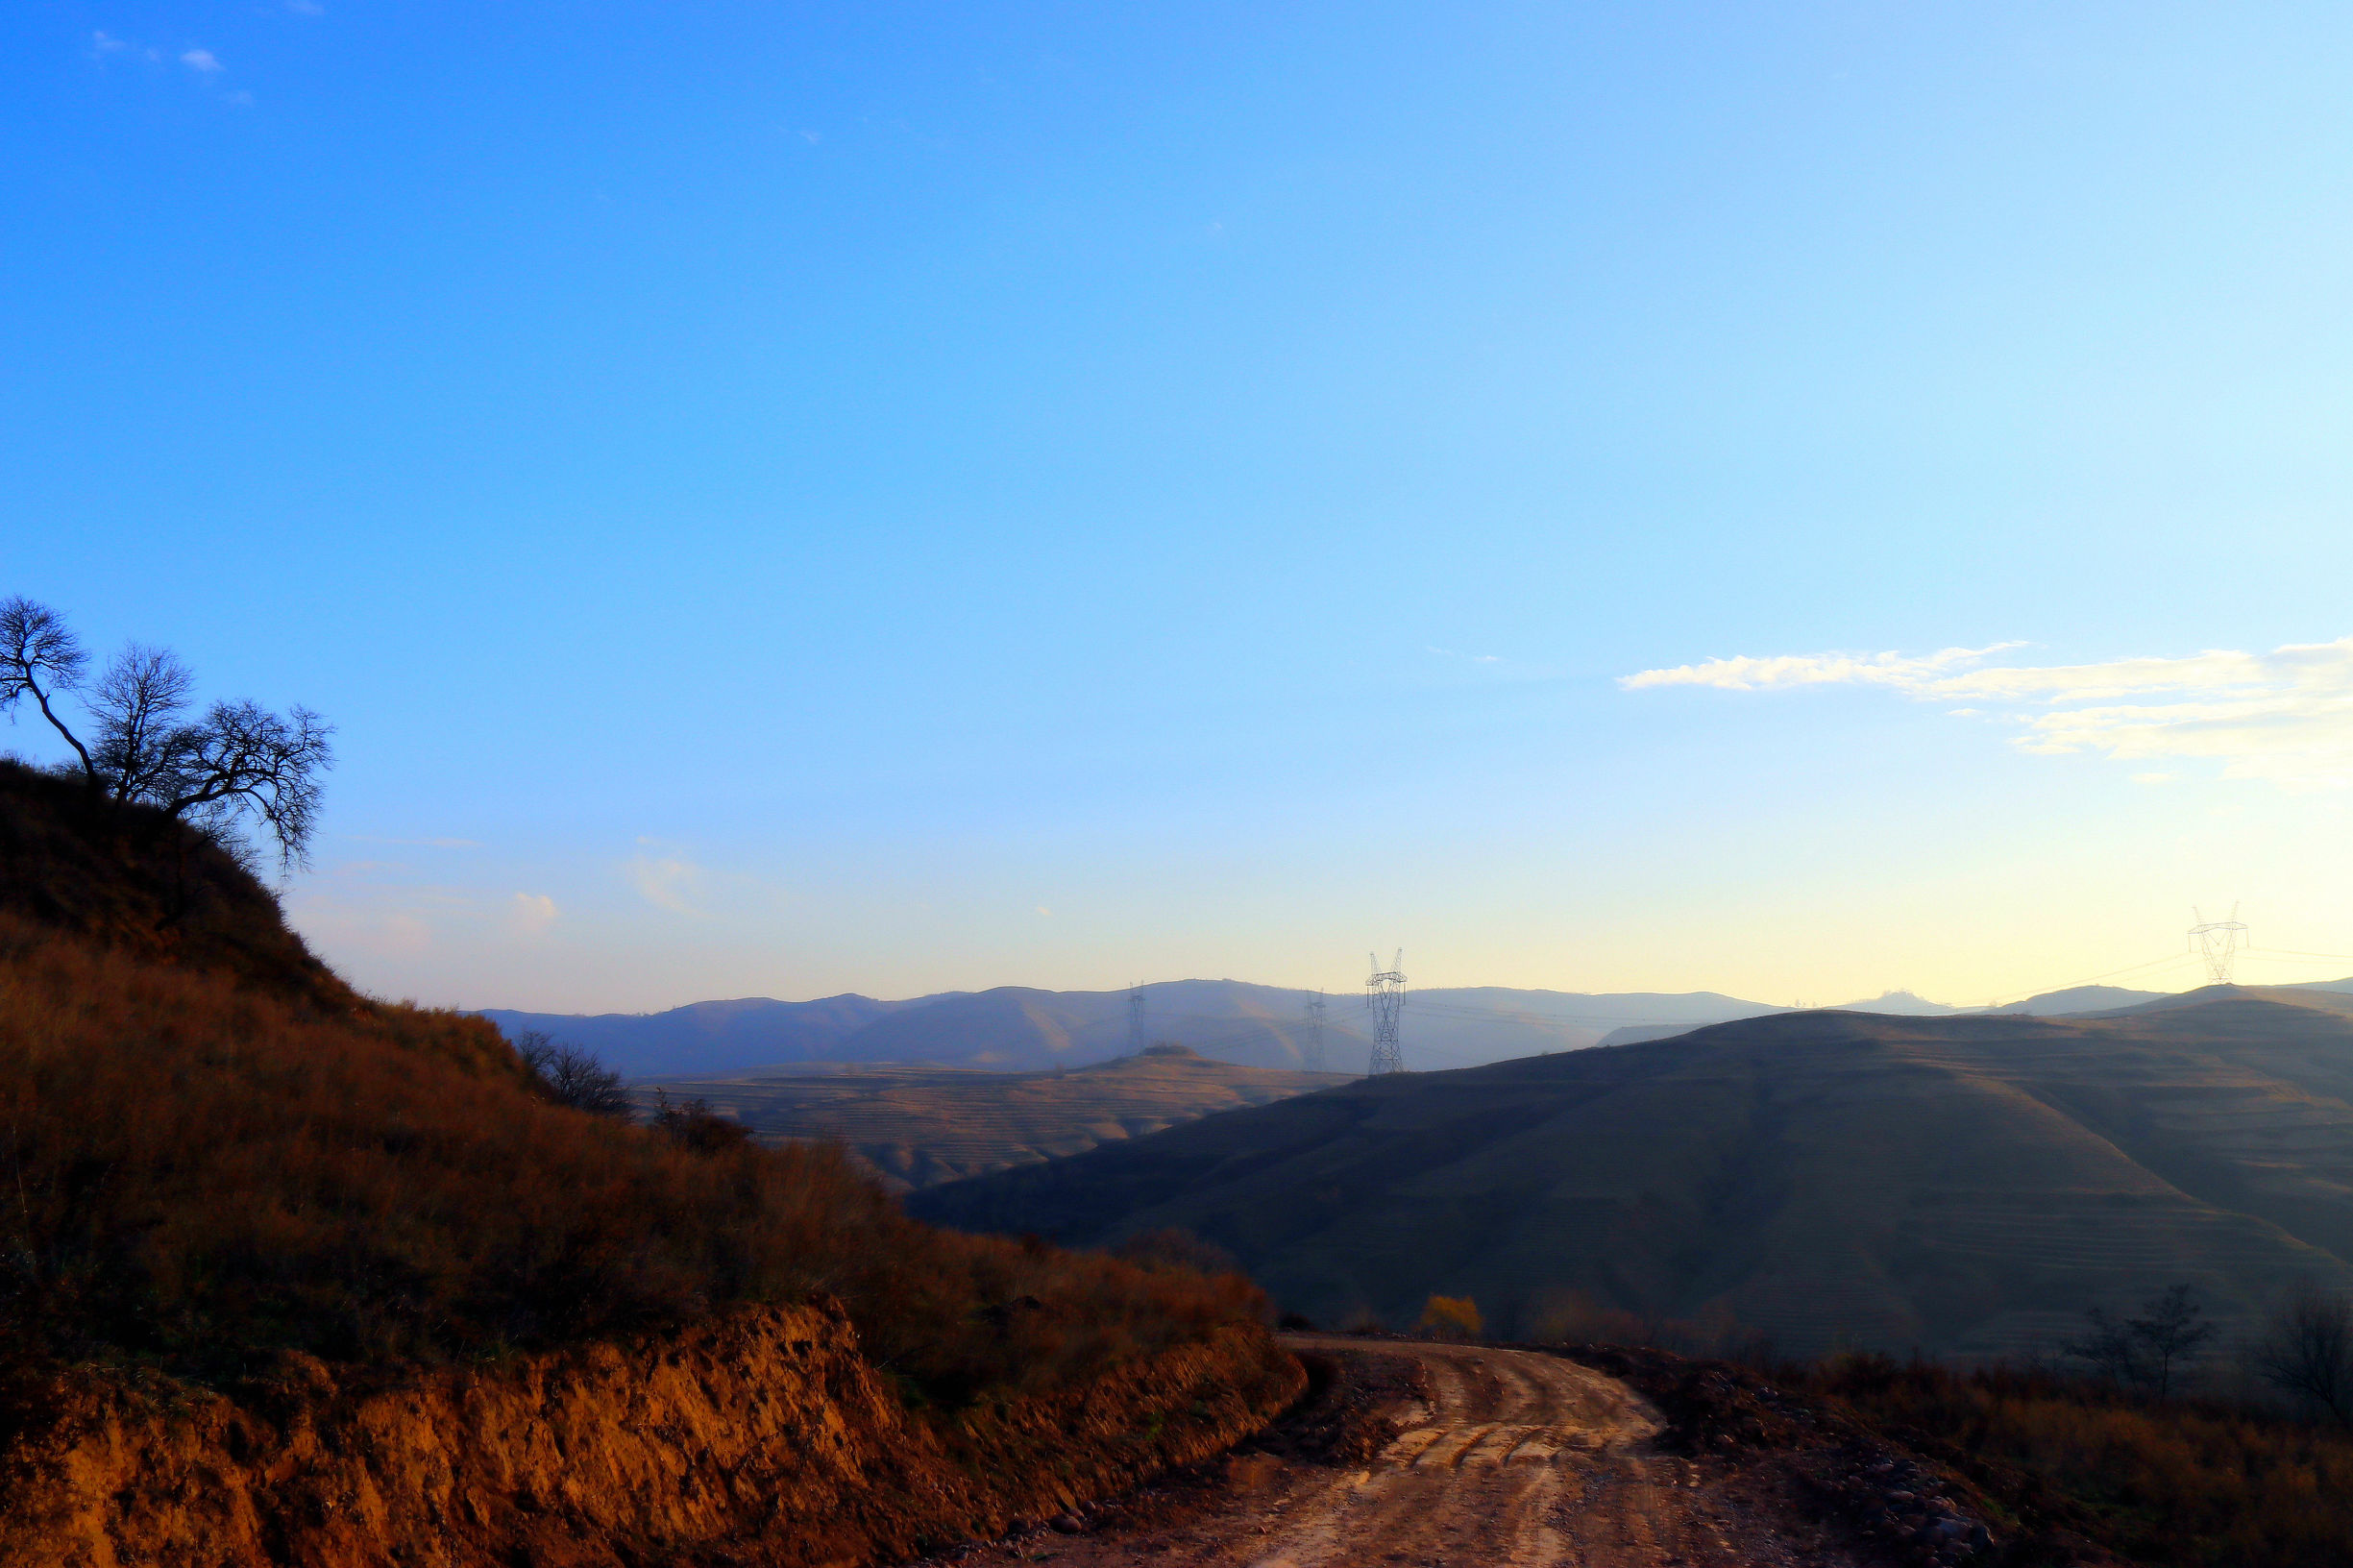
{"x":1966,"y":1185}
{"x":129,"y":878}
{"x":918,"y":1126}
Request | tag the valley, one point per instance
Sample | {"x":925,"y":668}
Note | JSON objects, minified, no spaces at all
{"x":917,"y":1126}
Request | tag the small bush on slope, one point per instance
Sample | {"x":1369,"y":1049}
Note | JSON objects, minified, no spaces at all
{"x":197,"y":1174}
{"x":2187,"y":1481}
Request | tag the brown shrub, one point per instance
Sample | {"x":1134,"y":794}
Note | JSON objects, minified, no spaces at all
{"x":197,"y":1173}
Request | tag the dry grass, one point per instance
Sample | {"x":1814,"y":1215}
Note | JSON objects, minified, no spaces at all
{"x":2187,"y":1481}
{"x":198,"y":1173}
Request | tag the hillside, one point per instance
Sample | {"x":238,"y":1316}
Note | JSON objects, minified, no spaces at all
{"x":1965,"y":1184}
{"x":1017,"y":1029}
{"x":291,"y":1275}
{"x":918,"y":1126}
{"x":2050,"y":1004}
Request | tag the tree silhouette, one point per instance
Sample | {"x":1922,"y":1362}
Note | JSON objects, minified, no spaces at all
{"x":236,"y":761}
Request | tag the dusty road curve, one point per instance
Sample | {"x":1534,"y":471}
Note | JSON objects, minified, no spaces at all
{"x":1521,"y":1459}
{"x":1502,"y":1470}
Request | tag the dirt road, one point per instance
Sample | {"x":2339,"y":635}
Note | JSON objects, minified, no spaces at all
{"x":1515,"y":1458}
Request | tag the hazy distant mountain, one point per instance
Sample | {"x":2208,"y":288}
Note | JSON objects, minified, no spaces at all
{"x":2059,"y":1004}
{"x":1898,"y":1004}
{"x":1017,"y":1029}
{"x":921,"y":1125}
{"x":709,"y":1037}
{"x":1965,"y":1184}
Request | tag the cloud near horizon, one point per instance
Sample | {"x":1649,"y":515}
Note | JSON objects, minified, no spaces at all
{"x":2284,"y":717}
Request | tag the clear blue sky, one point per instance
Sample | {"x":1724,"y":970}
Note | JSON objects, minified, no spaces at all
{"x":784,"y":500}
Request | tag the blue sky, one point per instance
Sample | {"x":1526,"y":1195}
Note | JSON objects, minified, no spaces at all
{"x":781,"y":501}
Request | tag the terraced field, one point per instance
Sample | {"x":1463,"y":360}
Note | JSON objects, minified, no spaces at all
{"x":919,"y":1125}
{"x":1968,"y":1186}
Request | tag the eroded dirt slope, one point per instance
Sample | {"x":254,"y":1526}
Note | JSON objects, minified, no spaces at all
{"x":764,"y":1440}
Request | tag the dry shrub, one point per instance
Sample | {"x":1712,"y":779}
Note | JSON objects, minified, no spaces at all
{"x":1559,"y":1315}
{"x":197,"y":1174}
{"x":2189,"y":1481}
{"x":1451,"y":1317}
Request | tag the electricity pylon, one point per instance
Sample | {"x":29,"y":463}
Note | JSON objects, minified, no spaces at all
{"x":1134,"y":1020}
{"x":1384,"y":993}
{"x":2217,"y":943}
{"x":1312,"y":1049}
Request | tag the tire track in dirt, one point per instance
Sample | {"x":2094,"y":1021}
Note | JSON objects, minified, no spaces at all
{"x":1517,"y":1458}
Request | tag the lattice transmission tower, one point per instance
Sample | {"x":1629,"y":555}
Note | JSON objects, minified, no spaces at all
{"x":1384,"y":993}
{"x":2217,"y":943}
{"x":1134,"y":1020}
{"x":1311,"y":1046}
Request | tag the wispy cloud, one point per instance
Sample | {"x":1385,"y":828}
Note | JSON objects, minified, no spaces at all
{"x":530,"y":913}
{"x":2286,"y":716}
{"x":200,"y":60}
{"x":666,"y":882}
{"x":1474,"y":658}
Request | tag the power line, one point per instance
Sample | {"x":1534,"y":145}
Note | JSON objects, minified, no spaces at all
{"x":1384,"y":993}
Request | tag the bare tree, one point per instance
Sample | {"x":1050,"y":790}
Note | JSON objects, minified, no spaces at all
{"x":41,"y":658}
{"x":2306,"y":1351}
{"x":2148,"y":1351}
{"x":137,"y":705}
{"x":244,"y":760}
{"x":571,"y":1076}
{"x":693,"y":1124}
{"x":239,"y":760}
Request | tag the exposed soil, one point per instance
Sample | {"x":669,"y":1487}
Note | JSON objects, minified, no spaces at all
{"x":764,"y":1440}
{"x":1428,"y":1455}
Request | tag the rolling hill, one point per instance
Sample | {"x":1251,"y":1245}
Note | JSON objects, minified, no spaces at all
{"x":1968,"y":1184}
{"x":2050,"y":1004}
{"x":918,"y":1126}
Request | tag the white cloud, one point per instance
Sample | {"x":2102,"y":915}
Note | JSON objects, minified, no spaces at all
{"x":1746,"y":675}
{"x":105,"y":45}
{"x":2286,"y":716}
{"x":666,"y":881}
{"x":1475,"y":658}
{"x":530,"y":913}
{"x":306,"y":8}
{"x":200,"y":60}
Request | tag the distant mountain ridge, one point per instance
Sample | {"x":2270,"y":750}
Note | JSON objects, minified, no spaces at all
{"x":1022,"y":1029}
